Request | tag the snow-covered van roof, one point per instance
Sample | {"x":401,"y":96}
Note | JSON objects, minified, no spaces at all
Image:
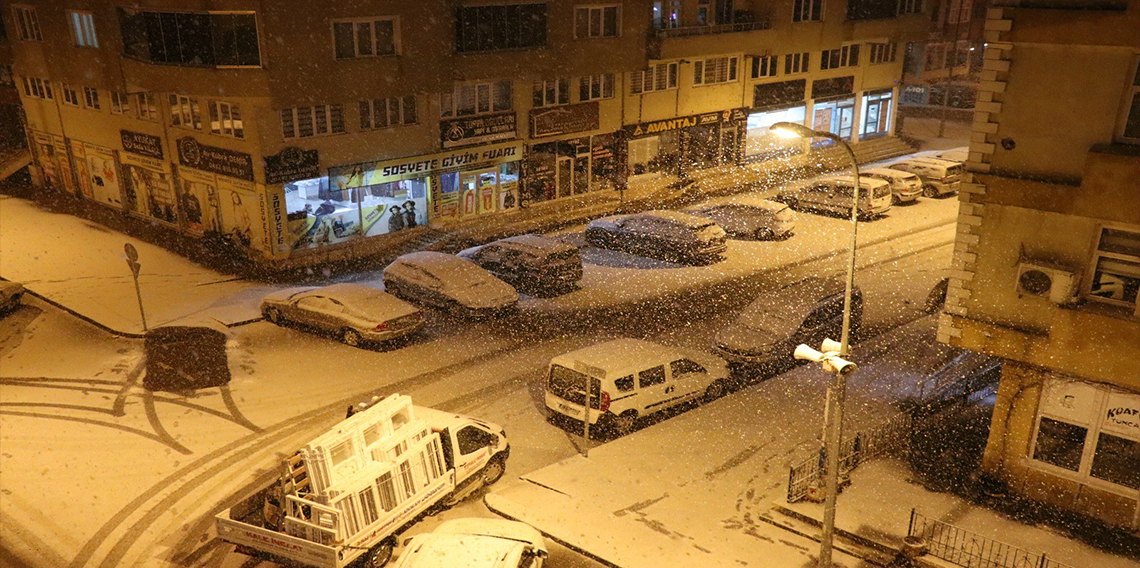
{"x":888,"y":172}
{"x":863,"y":181}
{"x":617,"y":358}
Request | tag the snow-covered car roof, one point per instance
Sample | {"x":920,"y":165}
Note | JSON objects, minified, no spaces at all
{"x":686,"y":219}
{"x":791,"y":303}
{"x":619,"y":357}
{"x":361,"y":296}
{"x":433,"y":550}
{"x":745,"y":200}
{"x":863,"y":181}
{"x":439,"y":419}
{"x":447,"y":267}
{"x":888,"y":172}
{"x":930,"y":160}
{"x":502,"y":528}
{"x":537,"y":243}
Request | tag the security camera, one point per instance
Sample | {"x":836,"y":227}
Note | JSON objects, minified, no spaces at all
{"x":839,"y":366}
{"x":807,"y":353}
{"x":831,"y":346}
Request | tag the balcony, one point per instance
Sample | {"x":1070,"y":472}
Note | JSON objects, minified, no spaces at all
{"x":686,"y":39}
{"x":689,"y":31}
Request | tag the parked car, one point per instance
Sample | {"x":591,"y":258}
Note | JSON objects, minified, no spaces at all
{"x":905,"y":186}
{"x":939,"y":177}
{"x":449,"y":283}
{"x":354,"y":312}
{"x":959,"y":155}
{"x":11,"y":293}
{"x":833,"y":194}
{"x":475,"y":543}
{"x":668,"y":235}
{"x":748,"y":216}
{"x":630,"y":379}
{"x":532,"y":261}
{"x":766,"y":333}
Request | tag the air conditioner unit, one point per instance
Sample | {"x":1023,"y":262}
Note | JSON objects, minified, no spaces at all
{"x":1045,"y":280}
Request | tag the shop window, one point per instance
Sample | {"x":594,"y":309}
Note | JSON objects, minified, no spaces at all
{"x":551,"y":93}
{"x":184,"y":112}
{"x":320,"y":120}
{"x":807,"y":10}
{"x":846,"y":56}
{"x":910,"y":7}
{"x":120,"y":103}
{"x":1117,"y":460}
{"x":883,"y":52}
{"x":1116,"y":268}
{"x":715,"y":70}
{"x":1130,"y":121}
{"x":91,"y":98}
{"x":27,"y":23}
{"x":596,"y":87}
{"x":796,"y":63}
{"x":38,"y":88}
{"x":496,"y":27}
{"x":225,"y":119}
{"x":70,"y":95}
{"x":82,"y":28}
{"x":209,"y":39}
{"x":876,"y":113}
{"x":764,"y":66}
{"x":659,"y":77}
{"x":651,"y":377}
{"x":596,"y":21}
{"x":476,"y":98}
{"x":147,"y":105}
{"x":365,"y":37}
{"x":383,"y":113}
{"x":1060,"y":443}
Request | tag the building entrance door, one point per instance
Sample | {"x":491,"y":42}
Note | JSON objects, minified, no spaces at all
{"x":565,"y":176}
{"x":846,"y":119}
{"x":728,"y":143}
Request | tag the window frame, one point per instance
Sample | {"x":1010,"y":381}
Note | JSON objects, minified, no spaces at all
{"x":81,"y":23}
{"x":146,"y":106}
{"x":329,"y":121}
{"x":882,"y":53}
{"x":1130,"y":104}
{"x":402,"y":110}
{"x":70,"y":95}
{"x":671,"y":70}
{"x":606,"y":84}
{"x":494,"y":90}
{"x":396,"y":47}
{"x":91,"y":98}
{"x":214,"y":109}
{"x":702,"y":70}
{"x":27,"y":23}
{"x":185,"y":107}
{"x":558,"y":89}
{"x":764,"y":66}
{"x":601,"y":8}
{"x":907,"y":7}
{"x":120,"y":103}
{"x":802,"y":61}
{"x":1094,"y":259}
{"x":809,"y":8}
{"x":469,"y":38}
{"x":847,"y":54}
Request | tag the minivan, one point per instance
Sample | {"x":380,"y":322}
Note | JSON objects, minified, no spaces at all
{"x":905,"y":186}
{"x":939,"y":177}
{"x":630,"y":379}
{"x":833,"y":194}
{"x":766,"y":333}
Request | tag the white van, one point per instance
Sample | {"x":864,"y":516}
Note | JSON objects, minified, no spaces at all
{"x":833,"y":194}
{"x":939,"y":177}
{"x":629,"y":379}
{"x":905,"y":186}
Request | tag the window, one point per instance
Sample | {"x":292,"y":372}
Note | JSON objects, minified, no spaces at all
{"x":1116,"y":268}
{"x":650,"y":377}
{"x":120,"y":103}
{"x":478,"y":98}
{"x":796,"y":63}
{"x":715,"y":70}
{"x":383,"y":113}
{"x":1117,"y":460}
{"x":807,"y":10}
{"x":27,"y":24}
{"x":368,"y":506}
{"x":365,"y":37}
{"x":663,"y":19}
{"x":147,"y":105}
{"x":551,"y":93}
{"x":596,"y":87}
{"x":684,"y":367}
{"x":215,"y":39}
{"x":764,"y":66}
{"x":303,"y":122}
{"x":386,"y":487}
{"x":624,"y":384}
{"x":38,"y":88}
{"x":660,"y":77}
{"x":489,"y":28}
{"x":70,"y":96}
{"x":596,"y":21}
{"x":225,"y":119}
{"x":184,"y":112}
{"x":471,"y":439}
{"x":406,"y":479}
{"x":91,"y":97}
{"x":83,"y":28}
{"x":872,"y":9}
{"x":1130,"y":129}
{"x":883,"y":52}
{"x":341,"y":453}
{"x":910,"y":7}
{"x":846,"y":56}
{"x":1059,"y":443}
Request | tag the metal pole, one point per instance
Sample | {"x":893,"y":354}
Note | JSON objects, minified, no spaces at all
{"x":138,"y":294}
{"x":586,"y":421}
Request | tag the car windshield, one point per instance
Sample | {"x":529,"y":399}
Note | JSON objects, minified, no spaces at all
{"x":759,"y":319}
{"x":785,"y":214}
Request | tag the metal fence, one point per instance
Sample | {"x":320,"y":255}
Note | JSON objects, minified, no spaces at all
{"x":972,"y":550}
{"x":863,"y":446}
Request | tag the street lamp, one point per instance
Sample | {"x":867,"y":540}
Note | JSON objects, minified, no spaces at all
{"x":832,"y":358}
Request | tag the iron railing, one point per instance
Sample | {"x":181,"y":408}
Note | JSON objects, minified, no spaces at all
{"x":863,"y":446}
{"x":715,"y":29}
{"x":972,"y":550}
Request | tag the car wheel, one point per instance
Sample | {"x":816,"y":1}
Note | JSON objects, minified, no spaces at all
{"x":715,"y":390}
{"x":764,"y":234}
{"x":623,"y":424}
{"x":378,"y":555}
{"x":273,"y":315}
{"x":494,"y":470}
{"x":928,"y":191}
{"x":351,"y":337}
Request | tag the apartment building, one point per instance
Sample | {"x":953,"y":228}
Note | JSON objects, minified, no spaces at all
{"x":1047,"y":259}
{"x":294,"y":132}
{"x":942,"y":70}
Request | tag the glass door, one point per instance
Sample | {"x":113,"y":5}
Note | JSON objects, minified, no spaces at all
{"x":488,"y":188}
{"x":468,"y":194}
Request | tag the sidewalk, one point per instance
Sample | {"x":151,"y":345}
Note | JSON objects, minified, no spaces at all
{"x":690,"y":490}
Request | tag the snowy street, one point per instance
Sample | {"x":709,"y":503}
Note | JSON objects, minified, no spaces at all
{"x":148,"y":471}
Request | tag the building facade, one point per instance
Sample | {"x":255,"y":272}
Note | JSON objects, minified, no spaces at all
{"x":292,"y":131}
{"x":942,"y":71}
{"x":1047,"y":259}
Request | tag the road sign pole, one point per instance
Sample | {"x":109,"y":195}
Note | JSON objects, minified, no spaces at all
{"x":133,"y":262}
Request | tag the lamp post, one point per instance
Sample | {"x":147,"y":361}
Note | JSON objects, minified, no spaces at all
{"x":837,"y":389}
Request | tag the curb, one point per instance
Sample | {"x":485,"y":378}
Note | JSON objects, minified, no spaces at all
{"x":568,"y":545}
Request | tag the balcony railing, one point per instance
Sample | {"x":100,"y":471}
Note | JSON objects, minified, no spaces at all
{"x":714,"y":29}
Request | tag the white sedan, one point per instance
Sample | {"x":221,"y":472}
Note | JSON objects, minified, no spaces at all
{"x":449,"y":283}
{"x":475,"y":543}
{"x":748,"y":216}
{"x":355,"y":313}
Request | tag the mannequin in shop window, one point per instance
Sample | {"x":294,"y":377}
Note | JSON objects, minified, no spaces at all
{"x":396,"y":221}
{"x":409,"y":214}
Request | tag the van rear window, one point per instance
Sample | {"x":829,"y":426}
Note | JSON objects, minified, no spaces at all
{"x":570,"y":385}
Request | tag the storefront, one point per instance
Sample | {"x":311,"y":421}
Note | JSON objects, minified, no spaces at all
{"x":772,"y":103}
{"x":43,"y":147}
{"x":833,"y":109}
{"x":876,"y":113}
{"x":101,"y":173}
{"x":568,"y":167}
{"x":219,"y":194}
{"x":147,"y":187}
{"x":694,"y":141}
